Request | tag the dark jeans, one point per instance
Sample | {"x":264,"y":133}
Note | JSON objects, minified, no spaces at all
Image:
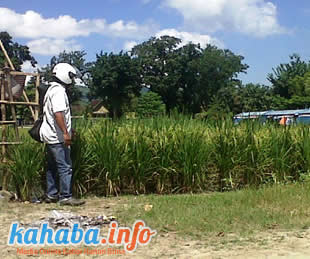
{"x":59,"y":162}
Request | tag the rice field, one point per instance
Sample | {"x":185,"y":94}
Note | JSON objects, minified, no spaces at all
{"x":171,"y":155}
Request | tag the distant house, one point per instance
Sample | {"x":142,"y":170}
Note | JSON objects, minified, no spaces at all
{"x":284,"y":117}
{"x":98,"y":109}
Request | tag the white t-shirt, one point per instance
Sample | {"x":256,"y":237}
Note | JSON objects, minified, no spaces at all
{"x":55,"y":100}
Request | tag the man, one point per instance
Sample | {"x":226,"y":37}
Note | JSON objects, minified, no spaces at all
{"x":56,"y":133}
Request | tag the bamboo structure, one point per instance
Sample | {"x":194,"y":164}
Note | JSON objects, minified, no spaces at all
{"x":7,"y":103}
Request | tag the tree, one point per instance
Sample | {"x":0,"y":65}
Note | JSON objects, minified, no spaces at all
{"x":17,"y":53}
{"x":188,"y":77}
{"x":160,"y":67}
{"x":300,"y":85}
{"x":253,"y":97}
{"x":116,"y":80}
{"x":217,"y":69}
{"x":189,"y":57}
{"x":150,"y":104}
{"x":282,"y":78}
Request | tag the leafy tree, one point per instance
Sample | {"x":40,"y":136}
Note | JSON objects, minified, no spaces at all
{"x":217,"y":69}
{"x":116,"y":80}
{"x":150,"y":104}
{"x":187,"y":77}
{"x":283,"y":78}
{"x":189,"y":57}
{"x":160,"y":67}
{"x":301,"y":85}
{"x":253,"y":97}
{"x":295,"y":102}
{"x":17,"y":53}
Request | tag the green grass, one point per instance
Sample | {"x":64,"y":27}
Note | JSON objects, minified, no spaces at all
{"x":244,"y":212}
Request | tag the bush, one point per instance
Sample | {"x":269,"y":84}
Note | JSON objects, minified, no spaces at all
{"x":150,"y":104}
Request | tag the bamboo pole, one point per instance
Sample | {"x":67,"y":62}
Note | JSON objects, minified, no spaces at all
{"x":7,"y":122}
{"x":6,"y":70}
{"x":37,"y":97}
{"x":5,"y":75}
{"x":18,"y":73}
{"x":10,"y":143}
{"x":31,"y":109}
{"x":18,"y":103}
{"x":34,"y":111}
{"x":7,"y":56}
{"x":12,"y":106}
{"x":4,"y":139}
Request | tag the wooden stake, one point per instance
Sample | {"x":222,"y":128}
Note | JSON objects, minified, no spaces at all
{"x":37,"y":97}
{"x":12,"y":106}
{"x":31,"y":109}
{"x":5,"y":82}
{"x":7,"y":56}
{"x":3,"y":147}
{"x":18,"y":103}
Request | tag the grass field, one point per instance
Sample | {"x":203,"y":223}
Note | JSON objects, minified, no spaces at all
{"x":242,"y":212}
{"x":211,"y":225}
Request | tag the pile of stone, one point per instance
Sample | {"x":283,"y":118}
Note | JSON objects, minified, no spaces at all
{"x":57,"y":219}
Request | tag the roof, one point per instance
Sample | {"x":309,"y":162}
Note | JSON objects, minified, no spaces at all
{"x":98,"y":107}
{"x":101,"y":110}
{"x":250,"y":114}
{"x":272,"y":113}
{"x":287,"y":112}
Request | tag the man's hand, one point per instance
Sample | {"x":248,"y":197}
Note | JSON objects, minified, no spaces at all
{"x":60,"y":120}
{"x":67,"y":139}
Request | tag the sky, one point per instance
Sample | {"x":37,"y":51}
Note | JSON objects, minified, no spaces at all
{"x":264,"y":32}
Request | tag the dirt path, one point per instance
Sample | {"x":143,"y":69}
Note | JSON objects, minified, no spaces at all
{"x":268,"y":245}
{"x":271,"y":244}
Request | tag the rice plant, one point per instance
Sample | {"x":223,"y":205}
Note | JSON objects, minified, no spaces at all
{"x":25,"y":165}
{"x":139,"y":157}
{"x":108,"y":152}
{"x":172,"y":154}
{"x":83,"y":164}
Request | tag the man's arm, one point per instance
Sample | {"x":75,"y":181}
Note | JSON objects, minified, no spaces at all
{"x":60,"y":120}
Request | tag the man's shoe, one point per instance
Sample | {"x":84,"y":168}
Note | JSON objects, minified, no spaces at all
{"x":50,"y":199}
{"x":71,"y":202}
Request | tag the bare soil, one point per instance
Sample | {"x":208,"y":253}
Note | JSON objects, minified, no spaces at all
{"x":270,"y":244}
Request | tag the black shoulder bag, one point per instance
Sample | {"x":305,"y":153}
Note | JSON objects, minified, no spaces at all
{"x":34,"y":132}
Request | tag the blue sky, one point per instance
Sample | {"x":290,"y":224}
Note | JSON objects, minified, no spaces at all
{"x":264,"y":32}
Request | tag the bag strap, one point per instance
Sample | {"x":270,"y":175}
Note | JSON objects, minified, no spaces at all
{"x":46,"y":96}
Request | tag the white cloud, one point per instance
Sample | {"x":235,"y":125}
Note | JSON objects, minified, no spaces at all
{"x":187,"y":37}
{"x":146,"y":1}
{"x":253,"y":17}
{"x":49,"y":47}
{"x":32,"y":25}
{"x":130,"y":30}
{"x":27,"y":67}
{"x":129,"y":45}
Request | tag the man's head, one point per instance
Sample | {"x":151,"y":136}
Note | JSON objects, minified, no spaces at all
{"x":65,"y":73}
